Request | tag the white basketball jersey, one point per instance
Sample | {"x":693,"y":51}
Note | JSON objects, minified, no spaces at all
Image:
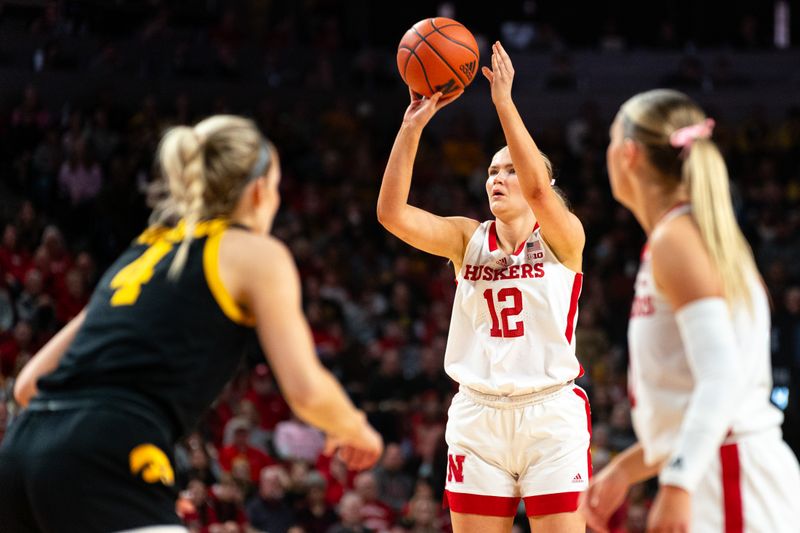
{"x":513,"y":322}
{"x":660,"y":380}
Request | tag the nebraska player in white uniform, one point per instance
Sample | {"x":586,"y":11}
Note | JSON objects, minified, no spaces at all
{"x":699,"y":334}
{"x":519,"y":427}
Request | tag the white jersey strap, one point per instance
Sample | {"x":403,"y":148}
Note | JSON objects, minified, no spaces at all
{"x":673,"y":212}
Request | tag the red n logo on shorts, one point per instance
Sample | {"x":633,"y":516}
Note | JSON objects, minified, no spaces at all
{"x":455,"y":468}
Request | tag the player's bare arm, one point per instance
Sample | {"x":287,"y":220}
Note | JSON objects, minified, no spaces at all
{"x":45,"y":360}
{"x":263,"y":278}
{"x":442,"y":236}
{"x":561,"y":229}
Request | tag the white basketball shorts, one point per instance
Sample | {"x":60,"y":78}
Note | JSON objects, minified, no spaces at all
{"x":534,"y":447}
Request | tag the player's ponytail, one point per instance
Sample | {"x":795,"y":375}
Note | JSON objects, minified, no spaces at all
{"x":204,"y":170}
{"x":182,"y":160}
{"x":706,"y":177}
{"x":677,"y":138}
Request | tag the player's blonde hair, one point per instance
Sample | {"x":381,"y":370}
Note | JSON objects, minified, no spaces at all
{"x":549,"y":166}
{"x":650,"y":118}
{"x":204,"y":170}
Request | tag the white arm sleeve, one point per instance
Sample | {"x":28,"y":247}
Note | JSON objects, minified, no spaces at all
{"x":710,"y":342}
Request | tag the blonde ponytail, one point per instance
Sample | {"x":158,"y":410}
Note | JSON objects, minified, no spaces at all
{"x":659,"y":118}
{"x":181,"y":158}
{"x":706,"y":176}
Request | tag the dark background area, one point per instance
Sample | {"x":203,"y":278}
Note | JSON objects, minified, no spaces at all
{"x":87,"y":89}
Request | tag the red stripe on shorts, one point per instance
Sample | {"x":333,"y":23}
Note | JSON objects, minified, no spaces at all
{"x":482,"y":505}
{"x":732,"y":488}
{"x":562,"y":502}
{"x":583,"y":396}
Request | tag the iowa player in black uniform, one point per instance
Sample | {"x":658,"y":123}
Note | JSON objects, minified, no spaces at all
{"x":109,"y":395}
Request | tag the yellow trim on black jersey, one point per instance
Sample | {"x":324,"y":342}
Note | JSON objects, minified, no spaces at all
{"x":211,"y":268}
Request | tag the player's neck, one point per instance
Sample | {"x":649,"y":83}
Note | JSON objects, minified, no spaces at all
{"x":513,"y":232}
{"x":656,"y":203}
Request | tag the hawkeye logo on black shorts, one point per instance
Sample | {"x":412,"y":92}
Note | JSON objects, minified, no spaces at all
{"x":152,"y":464}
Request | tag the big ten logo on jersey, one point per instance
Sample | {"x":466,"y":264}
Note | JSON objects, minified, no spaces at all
{"x":455,"y":468}
{"x":487,"y":273}
{"x":152,"y":463}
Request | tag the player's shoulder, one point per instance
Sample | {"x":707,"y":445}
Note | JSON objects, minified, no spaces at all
{"x":677,"y":240}
{"x":466,"y":225}
{"x":251,"y":252}
{"x":682,"y":265}
{"x":255,"y":246}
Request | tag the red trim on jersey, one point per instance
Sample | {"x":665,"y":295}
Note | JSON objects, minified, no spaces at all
{"x":544,"y":504}
{"x":482,"y":505}
{"x":492,"y":237}
{"x":645,"y":248}
{"x":580,"y":392}
{"x":732,"y":488}
{"x":631,"y":397}
{"x":573,"y":305}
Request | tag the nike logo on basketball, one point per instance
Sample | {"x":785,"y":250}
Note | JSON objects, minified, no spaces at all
{"x":577,"y":479}
{"x":468,"y":69}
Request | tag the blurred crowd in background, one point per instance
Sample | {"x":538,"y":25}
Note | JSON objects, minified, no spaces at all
{"x":73,"y":176}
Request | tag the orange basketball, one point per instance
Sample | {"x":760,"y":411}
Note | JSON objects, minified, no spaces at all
{"x":438,"y":54}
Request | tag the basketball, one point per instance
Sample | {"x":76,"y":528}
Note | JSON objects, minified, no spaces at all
{"x":438,"y":54}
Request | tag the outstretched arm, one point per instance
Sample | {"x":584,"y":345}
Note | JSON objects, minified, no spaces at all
{"x":561,"y":229}
{"x":273,"y":296}
{"x":443,"y":236}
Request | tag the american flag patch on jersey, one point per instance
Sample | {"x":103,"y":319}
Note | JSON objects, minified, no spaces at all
{"x":531,"y":249}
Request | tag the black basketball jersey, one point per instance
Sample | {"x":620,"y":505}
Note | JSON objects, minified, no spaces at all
{"x":173,"y":343}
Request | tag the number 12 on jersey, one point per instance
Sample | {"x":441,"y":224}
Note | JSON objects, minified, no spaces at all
{"x":503,"y":327}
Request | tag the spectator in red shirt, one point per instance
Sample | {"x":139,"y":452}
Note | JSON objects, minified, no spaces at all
{"x":338,"y":477}
{"x":241,"y":449}
{"x":73,"y":298}
{"x":228,"y":504}
{"x":377,"y":514}
{"x":60,"y":258}
{"x":201,"y":514}
{"x":13,"y":260}
{"x":427,"y":427}
{"x":271,"y":406}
